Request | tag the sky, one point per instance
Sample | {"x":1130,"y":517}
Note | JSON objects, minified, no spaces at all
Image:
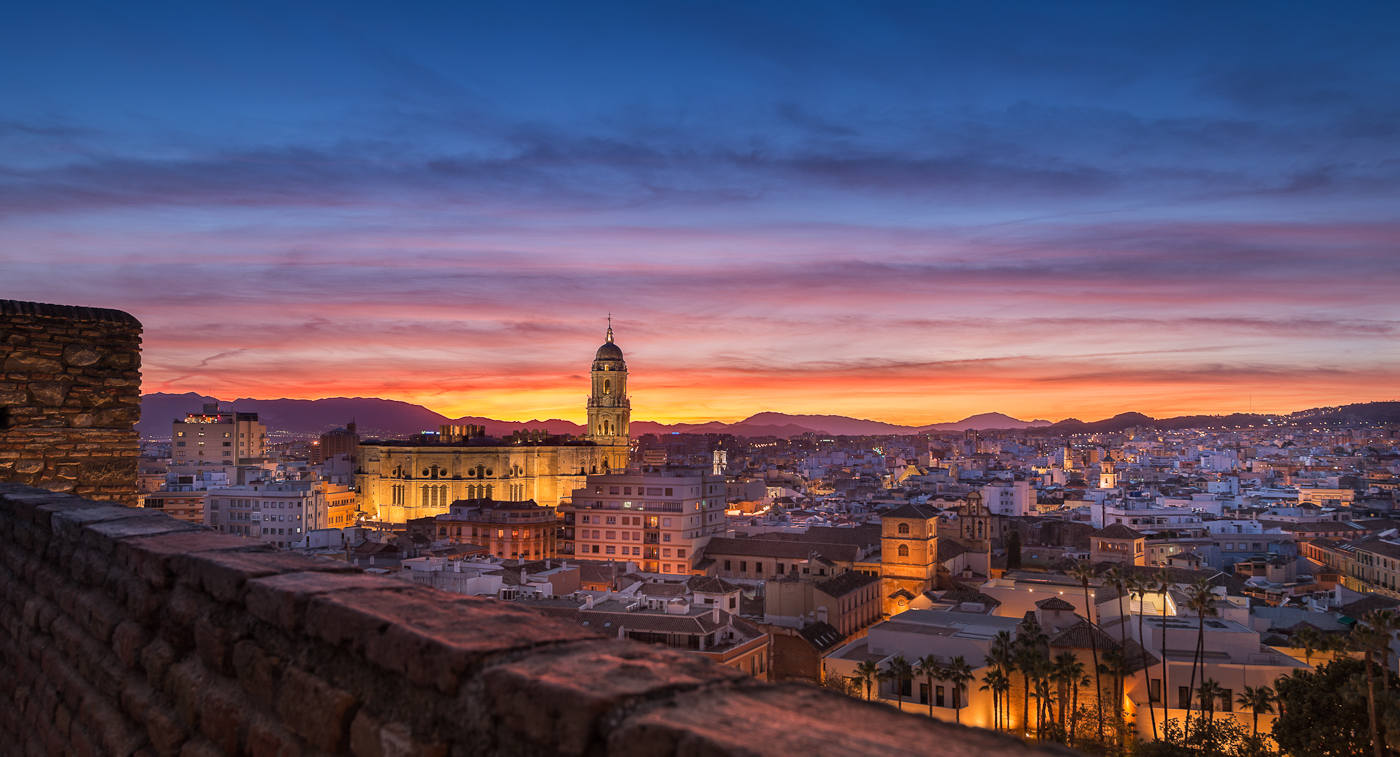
{"x":908,"y":212}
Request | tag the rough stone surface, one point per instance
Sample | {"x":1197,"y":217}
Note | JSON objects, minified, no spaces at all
{"x":118,"y":639}
{"x":70,"y":396}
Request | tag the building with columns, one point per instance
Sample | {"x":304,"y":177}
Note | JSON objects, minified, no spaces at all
{"x":403,"y":480}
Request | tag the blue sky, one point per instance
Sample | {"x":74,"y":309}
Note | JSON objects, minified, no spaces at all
{"x":907,"y":211}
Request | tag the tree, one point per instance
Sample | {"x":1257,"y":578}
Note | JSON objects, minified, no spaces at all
{"x":869,"y":671}
{"x":1307,"y":639}
{"x":1209,"y":692}
{"x":1368,"y":640}
{"x":1388,"y":623}
{"x":1256,"y":699}
{"x":1044,"y":696}
{"x":1202,"y":602}
{"x":928,"y":667}
{"x":958,"y":673}
{"x":900,"y":671}
{"x":1068,"y":671}
{"x":1001,"y":655}
{"x":1082,"y":572}
{"x":1027,"y":658}
{"x":1317,"y":715}
{"x":1164,"y":586}
{"x":995,"y":681}
{"x":1142,"y":586}
{"x":1013,"y":550}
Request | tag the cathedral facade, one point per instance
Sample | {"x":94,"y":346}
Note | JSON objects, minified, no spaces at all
{"x":401,"y":480}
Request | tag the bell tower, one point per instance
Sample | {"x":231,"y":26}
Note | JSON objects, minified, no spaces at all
{"x":609,"y":410}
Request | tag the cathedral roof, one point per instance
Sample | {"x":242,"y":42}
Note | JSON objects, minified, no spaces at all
{"x":609,"y":350}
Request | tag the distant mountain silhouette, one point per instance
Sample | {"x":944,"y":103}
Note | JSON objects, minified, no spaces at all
{"x":393,"y":419}
{"x":374,"y":417}
{"x":985,"y":421}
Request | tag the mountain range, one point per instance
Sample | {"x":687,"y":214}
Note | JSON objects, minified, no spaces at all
{"x":391,"y":419}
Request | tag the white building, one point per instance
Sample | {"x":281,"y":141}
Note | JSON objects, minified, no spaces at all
{"x":279,"y":514}
{"x":1010,"y":498}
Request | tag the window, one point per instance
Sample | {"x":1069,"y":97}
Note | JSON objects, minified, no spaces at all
{"x":1154,"y":690}
{"x":1183,"y":698}
{"x":938,"y":696}
{"x":666,"y":522}
{"x":758,"y":568}
{"x":904,"y":528}
{"x":780,"y":572}
{"x":612,"y":521}
{"x":611,"y":535}
{"x":611,"y":550}
{"x":904,"y":550}
{"x":726,"y":565}
{"x":680,"y":553}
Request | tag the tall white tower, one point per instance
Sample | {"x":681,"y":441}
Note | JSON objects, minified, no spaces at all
{"x":609,"y":410}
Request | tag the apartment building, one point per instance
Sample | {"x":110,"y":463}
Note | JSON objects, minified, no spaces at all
{"x":217,"y":437}
{"x":277,"y":513}
{"x":659,"y":519}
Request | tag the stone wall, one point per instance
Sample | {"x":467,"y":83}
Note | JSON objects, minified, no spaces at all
{"x":127,"y":632}
{"x":70,"y":396}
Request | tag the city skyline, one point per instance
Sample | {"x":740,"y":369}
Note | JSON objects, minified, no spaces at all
{"x":905,"y":214}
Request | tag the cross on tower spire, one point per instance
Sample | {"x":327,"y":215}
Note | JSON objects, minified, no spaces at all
{"x":610,"y":336}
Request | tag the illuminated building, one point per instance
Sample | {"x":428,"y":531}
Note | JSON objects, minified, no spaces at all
{"x":400,"y":481}
{"x":509,"y":530}
{"x":217,"y":437}
{"x":657,"y":519}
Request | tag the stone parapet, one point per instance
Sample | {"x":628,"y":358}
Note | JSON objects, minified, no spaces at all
{"x":127,"y":632}
{"x":70,"y":396}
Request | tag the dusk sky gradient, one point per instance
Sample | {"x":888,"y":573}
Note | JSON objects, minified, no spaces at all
{"x":909,"y":212}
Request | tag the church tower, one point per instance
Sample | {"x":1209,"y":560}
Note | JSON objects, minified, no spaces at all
{"x":609,"y":410}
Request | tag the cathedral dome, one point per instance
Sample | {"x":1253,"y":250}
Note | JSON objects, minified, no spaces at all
{"x":608,"y":351}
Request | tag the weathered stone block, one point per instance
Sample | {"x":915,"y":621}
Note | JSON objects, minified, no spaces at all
{"x":430,"y":639}
{"x":561,"y":695}
{"x":223,"y":575}
{"x":315,"y":710}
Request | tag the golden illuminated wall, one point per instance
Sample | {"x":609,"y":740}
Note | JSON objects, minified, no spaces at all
{"x":399,"y":483}
{"x":916,"y":571}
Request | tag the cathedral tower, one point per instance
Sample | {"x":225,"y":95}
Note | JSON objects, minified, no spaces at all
{"x":609,"y":411}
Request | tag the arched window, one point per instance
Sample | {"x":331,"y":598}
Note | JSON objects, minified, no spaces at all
{"x":488,"y":491}
{"x":904,"y":528}
{"x":607,"y":385}
{"x":904,"y":550}
{"x":426,"y":494}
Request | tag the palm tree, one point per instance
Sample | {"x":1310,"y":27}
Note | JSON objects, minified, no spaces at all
{"x":1164,"y":585}
{"x":1068,"y":671}
{"x":1082,"y":572}
{"x":1307,"y":639}
{"x":1141,"y":586}
{"x":1209,"y":692}
{"x":900,"y":671}
{"x":1202,"y":602}
{"x":1116,"y":666}
{"x":1368,"y":639}
{"x":1387,"y":622}
{"x":958,"y":673}
{"x":1119,"y":580}
{"x":1045,"y":697}
{"x":1257,"y":700}
{"x":869,"y":671}
{"x":1027,"y":657}
{"x":996,"y":682}
{"x":928,"y":668}
{"x":1001,"y":656}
